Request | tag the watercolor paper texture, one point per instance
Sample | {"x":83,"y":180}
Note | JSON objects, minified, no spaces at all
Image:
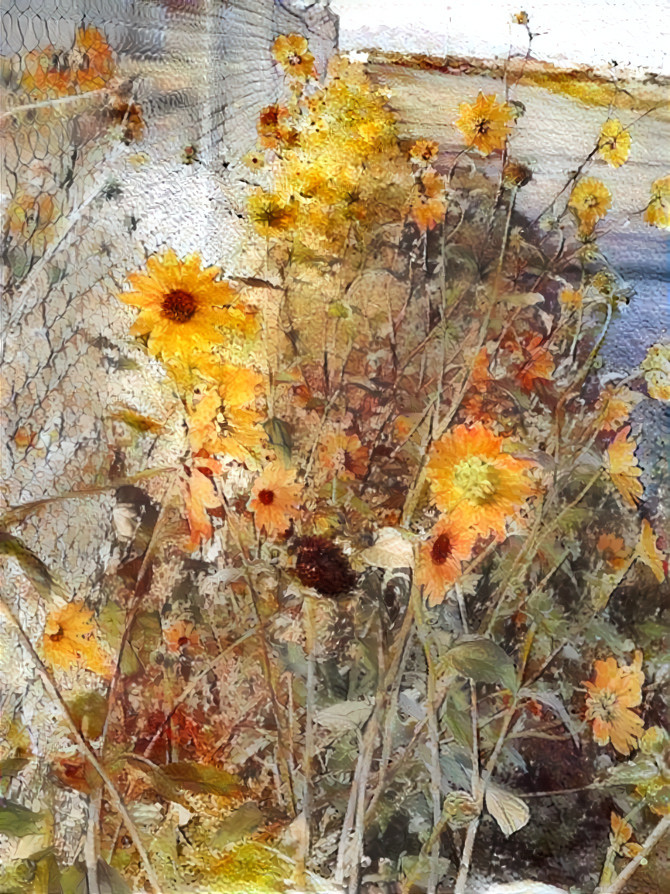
{"x":334,"y":525}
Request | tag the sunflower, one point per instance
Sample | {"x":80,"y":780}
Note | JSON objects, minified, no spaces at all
{"x":275,"y":128}
{"x":429,"y":205}
{"x":439,"y":559}
{"x":648,"y":553}
{"x":182,"y":305}
{"x":613,"y":551}
{"x":656,"y":367}
{"x":94,"y":59}
{"x":47,"y":74}
{"x":291,"y":51}
{"x":485,"y":123}
{"x":623,"y":467}
{"x":614,"y":143}
{"x":271,"y":214}
{"x":344,"y":455}
{"x":657,"y":212}
{"x":471,"y":477}
{"x":225,"y":419}
{"x":610,"y":698}
{"x":181,"y":635}
{"x":70,"y":640}
{"x":591,"y":200}
{"x":424,"y":152}
{"x":571,"y":298}
{"x":275,"y":498}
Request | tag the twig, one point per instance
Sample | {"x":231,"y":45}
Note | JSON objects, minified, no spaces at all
{"x":650,"y":843}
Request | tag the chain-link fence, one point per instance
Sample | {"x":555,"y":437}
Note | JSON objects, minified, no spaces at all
{"x":121,"y":132}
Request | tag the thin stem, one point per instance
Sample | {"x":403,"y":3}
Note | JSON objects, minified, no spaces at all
{"x":86,"y":750}
{"x":650,"y":843}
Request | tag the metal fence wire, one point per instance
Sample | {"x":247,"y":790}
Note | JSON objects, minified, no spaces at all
{"x":122,"y":126}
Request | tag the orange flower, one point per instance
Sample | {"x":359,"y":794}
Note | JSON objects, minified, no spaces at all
{"x":622,"y":832}
{"x":429,"y":205}
{"x":471,"y":477}
{"x":292,"y":53}
{"x":613,"y":551}
{"x":591,"y":201}
{"x":344,"y":455}
{"x":225,"y":420}
{"x":47,"y":73}
{"x":275,"y":498}
{"x":623,"y":467}
{"x":275,"y":127}
{"x":181,"y":635}
{"x":610,"y":697}
{"x":424,"y":152}
{"x":94,"y":60}
{"x":485,"y":123}
{"x":614,"y":406}
{"x":648,"y":553}
{"x":614,"y":143}
{"x":70,"y":639}
{"x":439,"y":560}
{"x":182,"y":306}
{"x":200,"y":495}
{"x":538,"y":365}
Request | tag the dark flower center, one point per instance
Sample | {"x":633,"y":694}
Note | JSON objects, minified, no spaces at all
{"x":266,"y":497}
{"x":179,"y":306}
{"x":482,"y":126}
{"x":441,"y":550}
{"x":57,"y":636}
{"x":294,"y":59}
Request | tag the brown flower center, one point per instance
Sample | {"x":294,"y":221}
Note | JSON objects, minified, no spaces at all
{"x":442,"y":550}
{"x":58,"y":635}
{"x":294,"y":59}
{"x":482,"y":126}
{"x":178,"y":306}
{"x":266,"y":497}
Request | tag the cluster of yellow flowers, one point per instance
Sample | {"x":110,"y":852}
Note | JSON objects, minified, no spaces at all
{"x":327,"y":150}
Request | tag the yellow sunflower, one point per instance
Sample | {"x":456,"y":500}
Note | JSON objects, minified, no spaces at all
{"x":657,"y":213}
{"x":614,"y":143}
{"x":610,"y":698}
{"x":271,"y":214}
{"x":424,"y":152}
{"x":485,"y":123}
{"x":439,"y":560}
{"x":275,"y":498}
{"x":70,"y":640}
{"x":225,"y":419}
{"x":183,"y":307}
{"x":591,"y":200}
{"x":623,"y":467}
{"x":291,"y":51}
{"x":656,"y":367}
{"x":474,"y":480}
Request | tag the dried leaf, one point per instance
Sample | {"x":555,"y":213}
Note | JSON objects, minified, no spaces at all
{"x":18,"y":821}
{"x":344,"y":716}
{"x":32,"y":566}
{"x":241,"y":822}
{"x":510,"y":812}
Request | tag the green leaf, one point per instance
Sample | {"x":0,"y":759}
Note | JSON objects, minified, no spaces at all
{"x":89,"y":712}
{"x":643,"y":769}
{"x":481,"y":660}
{"x":18,"y":821}
{"x":201,"y":779}
{"x":241,"y":822}
{"x":12,"y":766}
{"x":279,"y":435}
{"x":110,"y":880}
{"x":32,"y":566}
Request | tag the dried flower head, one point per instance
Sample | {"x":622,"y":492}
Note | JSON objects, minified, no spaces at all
{"x":321,"y":564}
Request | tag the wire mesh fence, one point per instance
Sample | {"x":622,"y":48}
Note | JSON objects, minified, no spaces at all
{"x":120,"y":133}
